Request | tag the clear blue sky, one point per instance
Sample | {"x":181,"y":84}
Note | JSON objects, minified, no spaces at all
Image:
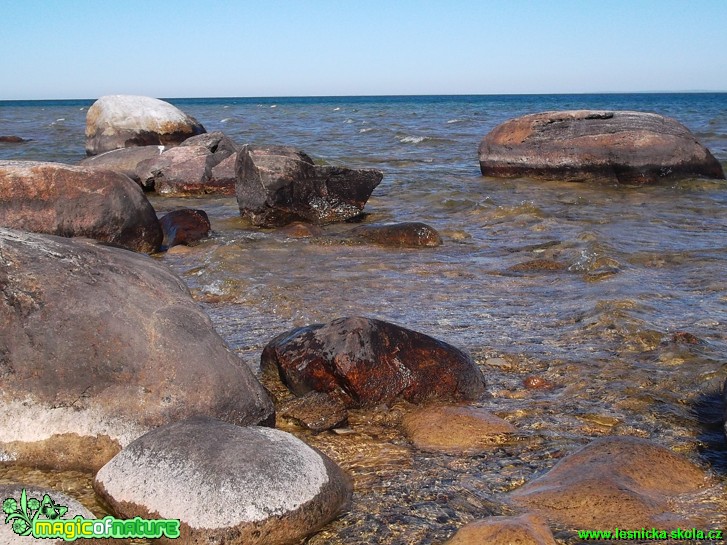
{"x":181,"y":48}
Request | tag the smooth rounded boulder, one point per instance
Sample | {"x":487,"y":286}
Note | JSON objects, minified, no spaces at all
{"x":184,"y":226}
{"x":98,"y":346}
{"x":122,"y":121}
{"x":225,"y":483}
{"x":412,"y":234}
{"x":366,"y":362}
{"x":527,"y":529}
{"x":277,"y":185}
{"x":607,"y":146}
{"x":74,"y":201}
{"x":124,"y":160}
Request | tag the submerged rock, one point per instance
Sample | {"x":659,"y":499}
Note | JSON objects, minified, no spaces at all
{"x":185,"y":226}
{"x":226,"y":484}
{"x":624,"y":479}
{"x":615,"y":147}
{"x":316,"y":411}
{"x":122,"y":121}
{"x":12,"y":140}
{"x":99,"y":345}
{"x":124,"y":161}
{"x":408,"y":234}
{"x":368,"y":362}
{"x":528,"y":529}
{"x":74,"y":201}
{"x":277,"y":185}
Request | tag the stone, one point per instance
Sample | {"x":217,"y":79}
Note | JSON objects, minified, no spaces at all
{"x":185,"y":226}
{"x":277,"y":185}
{"x":408,"y":234}
{"x":527,"y":529}
{"x":124,"y":160}
{"x":122,"y":121}
{"x":315,"y":411}
{"x":98,"y":346}
{"x":538,"y":265}
{"x":456,"y":430}
{"x":368,"y":362}
{"x":217,"y":142}
{"x":225,"y":483}
{"x":12,"y":140}
{"x":74,"y":201}
{"x":607,"y":146}
{"x":74,"y":508}
{"x":624,"y":479}
{"x":299,"y":229}
{"x":536,"y":382}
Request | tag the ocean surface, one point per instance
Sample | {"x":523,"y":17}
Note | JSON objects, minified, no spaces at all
{"x":631,"y":332}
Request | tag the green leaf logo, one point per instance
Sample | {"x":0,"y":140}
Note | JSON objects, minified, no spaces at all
{"x":22,"y":515}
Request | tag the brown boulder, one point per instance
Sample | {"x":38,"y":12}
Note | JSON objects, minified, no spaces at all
{"x":408,"y":234}
{"x":526,"y":529}
{"x":12,"y":140}
{"x":624,"y":479}
{"x":122,"y":121}
{"x":614,"y":147}
{"x":97,"y":346}
{"x":277,"y":185}
{"x":74,"y":201}
{"x":185,"y":226}
{"x":124,"y":160}
{"x":368,"y":362}
{"x":315,"y":411}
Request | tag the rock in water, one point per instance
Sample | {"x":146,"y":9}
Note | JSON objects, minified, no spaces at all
{"x":226,"y":484}
{"x":277,"y":185}
{"x":74,"y":201}
{"x":408,"y":234}
{"x":185,"y":226}
{"x":122,"y":121}
{"x":526,"y":529}
{"x":124,"y":161}
{"x":622,"y":479}
{"x":97,"y":346}
{"x":614,"y":147}
{"x":368,"y":362}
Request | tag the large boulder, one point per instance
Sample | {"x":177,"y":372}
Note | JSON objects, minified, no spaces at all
{"x":124,"y":160}
{"x":122,"y":121}
{"x":527,"y":529}
{"x":98,"y":345}
{"x":624,"y":479}
{"x":277,"y":185}
{"x":367,"y":362}
{"x":225,"y":484}
{"x":74,"y":201}
{"x":611,"y":146}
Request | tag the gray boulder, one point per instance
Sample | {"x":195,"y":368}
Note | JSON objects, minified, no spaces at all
{"x":124,"y":161}
{"x":612,"y":147}
{"x":100,"y":345}
{"x":122,"y":121}
{"x":74,"y":201}
{"x":226,"y":484}
{"x":277,"y":185}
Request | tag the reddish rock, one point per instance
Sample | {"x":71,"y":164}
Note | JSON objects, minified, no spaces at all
{"x":368,"y":362}
{"x":614,"y":147}
{"x":124,"y":161}
{"x":538,"y":265}
{"x":122,"y":121}
{"x":185,"y":226}
{"x":528,"y":529}
{"x":409,"y":234}
{"x":534,"y":382}
{"x":76,"y":201}
{"x":299,"y":229}
{"x":316,"y":411}
{"x":684,"y":337}
{"x":277,"y":185}
{"x":12,"y":140}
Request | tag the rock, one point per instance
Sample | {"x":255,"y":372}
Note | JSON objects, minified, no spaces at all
{"x":614,"y":147}
{"x":122,"y":121}
{"x":74,"y":201}
{"x":624,"y":479}
{"x":226,"y":484}
{"x":12,"y":140}
{"x":100,"y":345}
{"x":33,"y":492}
{"x":185,"y":226}
{"x":299,"y":229}
{"x":526,"y":529}
{"x":277,"y":185}
{"x":368,"y":362}
{"x":217,"y":142}
{"x":316,"y":411}
{"x":124,"y":161}
{"x":456,"y":430}
{"x":535,"y":382}
{"x":409,"y":234}
{"x":538,"y":265}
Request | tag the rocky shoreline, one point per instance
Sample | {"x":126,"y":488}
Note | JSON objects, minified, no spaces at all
{"x":45,"y":280}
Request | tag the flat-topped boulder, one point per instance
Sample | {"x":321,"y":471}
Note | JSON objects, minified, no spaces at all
{"x":123,"y":160}
{"x":75,"y":201}
{"x":122,"y":121}
{"x":609,"y":146}
{"x":277,"y":185}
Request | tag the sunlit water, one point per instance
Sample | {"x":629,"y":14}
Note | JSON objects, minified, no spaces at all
{"x":639,"y":265}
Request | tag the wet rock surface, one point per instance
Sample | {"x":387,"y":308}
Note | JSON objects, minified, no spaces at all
{"x":12,"y":140}
{"x":368,"y":362}
{"x":101,"y":345}
{"x":316,"y":411}
{"x":226,"y":484}
{"x":624,"y":479}
{"x":609,"y":146}
{"x":185,"y":226}
{"x":277,"y":185}
{"x":122,"y":121}
{"x":526,"y":529}
{"x":74,"y":201}
{"x":409,"y":234}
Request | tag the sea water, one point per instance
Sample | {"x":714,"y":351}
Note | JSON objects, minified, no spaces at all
{"x":641,"y":268}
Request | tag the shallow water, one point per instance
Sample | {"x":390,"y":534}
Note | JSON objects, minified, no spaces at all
{"x":639,"y":266}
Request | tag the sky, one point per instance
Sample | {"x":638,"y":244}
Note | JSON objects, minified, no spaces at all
{"x":259,"y":48}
